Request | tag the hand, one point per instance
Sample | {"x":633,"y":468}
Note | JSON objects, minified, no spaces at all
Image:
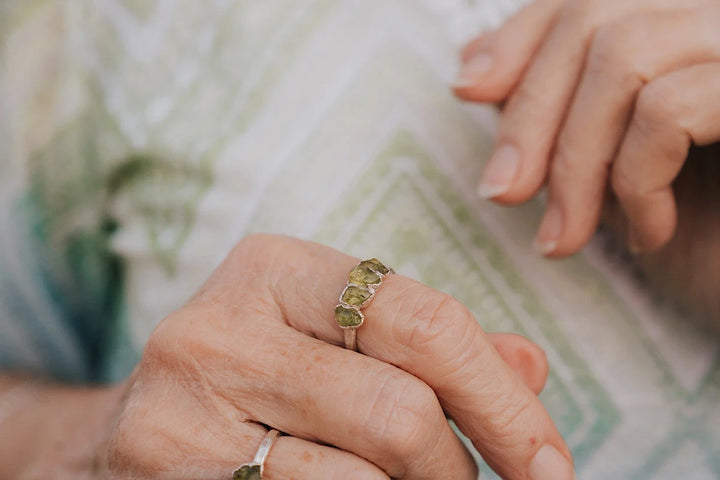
{"x":259,"y":345}
{"x":598,"y":90}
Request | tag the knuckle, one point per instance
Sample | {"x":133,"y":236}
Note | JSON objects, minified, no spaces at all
{"x":565,"y":163}
{"x":655,"y":102}
{"x":523,"y":104}
{"x":134,"y":450}
{"x":258,"y":260}
{"x":401,"y":414}
{"x":580,"y":13}
{"x":181,"y":340}
{"x":507,"y":413}
{"x":166,"y":345}
{"x":255,"y":248}
{"x":438,"y":321}
{"x":252,"y":244}
{"x":613,"y":52}
{"x":623,"y":184}
{"x":161,"y":350}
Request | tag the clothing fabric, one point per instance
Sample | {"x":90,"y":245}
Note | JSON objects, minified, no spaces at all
{"x":141,"y":139}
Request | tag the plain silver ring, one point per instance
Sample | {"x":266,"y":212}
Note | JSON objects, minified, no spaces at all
{"x":254,"y":469}
{"x":351,"y":339}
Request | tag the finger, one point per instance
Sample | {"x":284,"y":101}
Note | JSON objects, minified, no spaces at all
{"x":431,"y":336}
{"x":493,"y":63}
{"x":534,"y":113}
{"x":672,"y":112}
{"x":292,"y":457}
{"x":471,"y":48}
{"x":623,"y":57}
{"x":525,"y":358}
{"x":208,"y":439}
{"x":319,"y":392}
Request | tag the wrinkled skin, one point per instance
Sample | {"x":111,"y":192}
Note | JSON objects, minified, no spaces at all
{"x":258,"y":346}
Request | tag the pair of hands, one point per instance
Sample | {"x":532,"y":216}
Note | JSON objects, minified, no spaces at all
{"x":593,"y":90}
{"x":598,"y":91}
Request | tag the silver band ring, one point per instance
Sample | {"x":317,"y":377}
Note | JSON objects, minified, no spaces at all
{"x":254,"y":470}
{"x":363,"y":281}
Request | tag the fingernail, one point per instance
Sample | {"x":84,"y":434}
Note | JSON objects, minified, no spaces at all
{"x":499,"y":172}
{"x":549,"y":464}
{"x":549,"y":232}
{"x":472,"y":72}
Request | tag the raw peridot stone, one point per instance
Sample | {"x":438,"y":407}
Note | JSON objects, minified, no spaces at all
{"x":376,"y":265}
{"x":363,"y":274}
{"x":247,"y":472}
{"x":348,"y":317}
{"x":356,"y":296}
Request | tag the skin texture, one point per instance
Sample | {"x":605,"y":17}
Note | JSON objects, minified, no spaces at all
{"x":258,"y":345}
{"x":597,"y":94}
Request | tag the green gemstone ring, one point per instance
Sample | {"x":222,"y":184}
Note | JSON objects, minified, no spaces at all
{"x":363,"y":280}
{"x":254,"y":470}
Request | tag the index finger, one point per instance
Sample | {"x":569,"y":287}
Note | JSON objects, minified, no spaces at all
{"x":435,"y":338}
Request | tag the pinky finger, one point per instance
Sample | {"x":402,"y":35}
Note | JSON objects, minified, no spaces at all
{"x":671,"y":113}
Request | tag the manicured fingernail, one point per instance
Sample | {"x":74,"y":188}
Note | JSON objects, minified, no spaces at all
{"x":549,"y":464}
{"x":473,"y":71}
{"x":499,"y":172}
{"x":549,"y":232}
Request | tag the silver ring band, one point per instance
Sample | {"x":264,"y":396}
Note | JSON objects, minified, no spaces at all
{"x":351,"y":339}
{"x":254,"y":470}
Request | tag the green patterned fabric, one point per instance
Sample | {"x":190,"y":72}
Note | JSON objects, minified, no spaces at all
{"x":141,"y":139}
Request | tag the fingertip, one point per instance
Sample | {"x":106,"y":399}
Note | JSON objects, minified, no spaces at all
{"x":487,"y":88}
{"x":549,"y":464}
{"x":653,"y":220}
{"x":473,"y":71}
{"x":565,"y":230}
{"x":526,"y":358}
{"x":644,"y":242}
{"x":508,"y":178}
{"x":471,"y":47}
{"x":483,"y":75}
{"x":551,"y":227}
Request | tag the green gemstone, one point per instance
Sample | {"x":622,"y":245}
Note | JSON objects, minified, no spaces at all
{"x":356,"y":296}
{"x":247,"y":472}
{"x":364,"y":275}
{"x":376,"y":265}
{"x":348,"y":317}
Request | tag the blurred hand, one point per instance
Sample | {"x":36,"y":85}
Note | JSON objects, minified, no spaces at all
{"x":259,"y":345}
{"x":595,"y":92}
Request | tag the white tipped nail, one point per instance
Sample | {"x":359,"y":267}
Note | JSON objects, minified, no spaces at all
{"x":488,"y":191}
{"x":472,"y":72}
{"x":544,"y":248}
{"x":500,"y":172}
{"x":546,"y":240}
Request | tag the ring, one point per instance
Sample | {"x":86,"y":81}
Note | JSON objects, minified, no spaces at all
{"x":254,"y":470}
{"x":364,"y":279}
